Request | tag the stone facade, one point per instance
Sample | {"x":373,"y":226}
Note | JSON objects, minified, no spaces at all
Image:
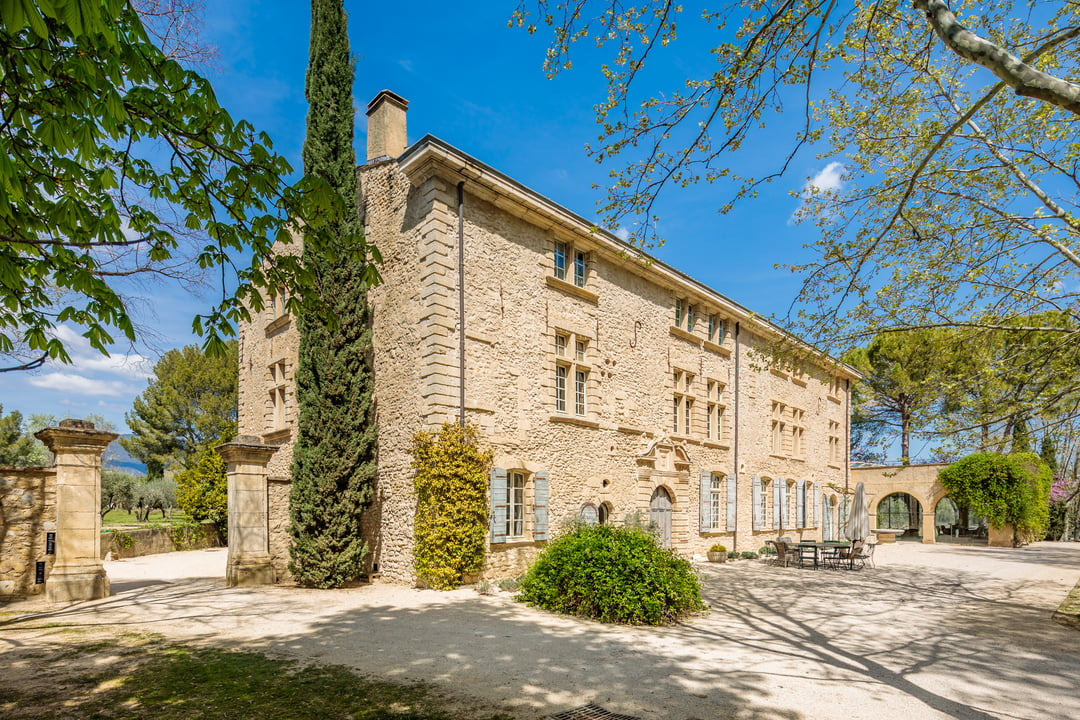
{"x":27,"y":516}
{"x":583,"y":359}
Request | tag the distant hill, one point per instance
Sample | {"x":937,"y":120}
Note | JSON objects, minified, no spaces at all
{"x":117,"y":458}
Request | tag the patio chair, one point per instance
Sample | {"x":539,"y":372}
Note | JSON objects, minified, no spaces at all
{"x":784,"y":554}
{"x":866,"y":556}
{"x":846,"y":555}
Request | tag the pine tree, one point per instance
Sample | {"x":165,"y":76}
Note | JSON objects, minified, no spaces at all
{"x":334,"y":464}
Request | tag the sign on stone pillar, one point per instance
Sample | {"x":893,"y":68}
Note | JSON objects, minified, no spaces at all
{"x":77,"y":573}
{"x":249,"y":529}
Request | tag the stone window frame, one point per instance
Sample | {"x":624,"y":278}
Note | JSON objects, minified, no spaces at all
{"x":682,"y":401}
{"x":834,"y":444}
{"x":798,"y":433}
{"x":572,"y":373}
{"x":778,"y":424}
{"x":570,"y":264}
{"x":718,"y":495}
{"x":715,"y":408}
{"x":278,"y":385}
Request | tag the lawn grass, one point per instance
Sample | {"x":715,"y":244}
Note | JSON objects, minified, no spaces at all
{"x":1068,"y":614}
{"x":145,"y":680}
{"x":120,"y":517}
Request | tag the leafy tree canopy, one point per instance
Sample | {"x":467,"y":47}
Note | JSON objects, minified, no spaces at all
{"x":954,"y":134}
{"x":189,"y":404}
{"x":118,"y":163}
{"x":202,"y":492}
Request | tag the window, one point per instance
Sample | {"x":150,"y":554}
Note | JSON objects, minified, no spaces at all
{"x":682,"y":404}
{"x":834,"y":442}
{"x":579,"y":268}
{"x":515,"y":504}
{"x":579,"y":392}
{"x":778,"y":426}
{"x":797,"y":430}
{"x":789,"y":507}
{"x":560,"y":260}
{"x":691,"y":318}
{"x":277,"y":396}
{"x":716,"y":329}
{"x":278,"y":302}
{"x":836,"y":387}
{"x":716,"y":493}
{"x":678,"y":312}
{"x":569,"y":368}
{"x":763,"y":499}
{"x":714,"y":411}
{"x":563,"y":256}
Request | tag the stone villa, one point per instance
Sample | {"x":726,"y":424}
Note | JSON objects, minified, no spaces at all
{"x":607,"y":383}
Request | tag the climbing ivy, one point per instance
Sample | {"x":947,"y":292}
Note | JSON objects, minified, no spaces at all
{"x":450,"y":532}
{"x":1007,"y":489}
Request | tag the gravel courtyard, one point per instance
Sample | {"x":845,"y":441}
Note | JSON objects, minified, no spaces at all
{"x":933,"y":632}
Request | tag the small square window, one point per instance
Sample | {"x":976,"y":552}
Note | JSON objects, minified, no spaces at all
{"x":560,"y":345}
{"x":580,"y":347}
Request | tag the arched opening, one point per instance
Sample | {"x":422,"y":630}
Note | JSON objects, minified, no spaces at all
{"x":660,"y":515}
{"x":900,"y":511}
{"x":604,"y":513}
{"x":956,"y":524}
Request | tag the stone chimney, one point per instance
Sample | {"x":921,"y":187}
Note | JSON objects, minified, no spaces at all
{"x":386,"y":135}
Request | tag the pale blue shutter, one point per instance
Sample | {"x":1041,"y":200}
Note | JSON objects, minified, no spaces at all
{"x":755,"y":497}
{"x":498,"y":505}
{"x":819,"y":500}
{"x":800,"y":503}
{"x":731,"y":500}
{"x":777,"y":504}
{"x":540,"y":505}
{"x":705,"y":501}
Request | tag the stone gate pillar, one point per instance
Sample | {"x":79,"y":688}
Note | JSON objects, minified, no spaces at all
{"x":77,"y":573}
{"x":249,"y":529}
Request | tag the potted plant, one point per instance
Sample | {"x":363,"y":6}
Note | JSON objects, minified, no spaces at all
{"x":717,"y":553}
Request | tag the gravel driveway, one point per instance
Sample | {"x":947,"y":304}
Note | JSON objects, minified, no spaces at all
{"x":933,"y":632}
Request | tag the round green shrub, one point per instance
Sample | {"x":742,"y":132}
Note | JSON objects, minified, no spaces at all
{"x":733,"y":555}
{"x":614,"y":575}
{"x":749,"y":555}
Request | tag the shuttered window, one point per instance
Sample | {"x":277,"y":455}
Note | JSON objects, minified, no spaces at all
{"x":510,"y":505}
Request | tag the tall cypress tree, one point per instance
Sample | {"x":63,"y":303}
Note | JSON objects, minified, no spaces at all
{"x":334,"y":457}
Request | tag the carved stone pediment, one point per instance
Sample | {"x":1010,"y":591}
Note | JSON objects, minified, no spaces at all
{"x":665,"y":454}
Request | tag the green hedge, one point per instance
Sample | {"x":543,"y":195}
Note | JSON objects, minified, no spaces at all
{"x":1007,"y":489}
{"x":612,"y":574}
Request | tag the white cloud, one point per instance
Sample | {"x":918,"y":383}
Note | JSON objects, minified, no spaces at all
{"x":830,"y":179}
{"x":622,"y":233}
{"x":407,"y":65}
{"x":86,"y":359}
{"x":79,"y":385}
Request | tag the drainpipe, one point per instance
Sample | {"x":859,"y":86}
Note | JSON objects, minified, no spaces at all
{"x":735,"y":452}
{"x":461,"y":299}
{"x":847,"y":431}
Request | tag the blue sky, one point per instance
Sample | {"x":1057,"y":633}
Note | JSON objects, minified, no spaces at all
{"x":478,"y":85}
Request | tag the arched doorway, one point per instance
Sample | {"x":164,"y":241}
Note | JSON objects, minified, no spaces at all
{"x":604,"y":513}
{"x":900,"y":511}
{"x":660,"y":515}
{"x":955,"y":523}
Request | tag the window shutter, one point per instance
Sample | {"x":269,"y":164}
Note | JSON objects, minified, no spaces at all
{"x":705,"y":501}
{"x":540,"y":504}
{"x":777,"y":504}
{"x":800,"y":503}
{"x":819,"y":500}
{"x":731,"y":496}
{"x":755,"y":495}
{"x":498,"y":505}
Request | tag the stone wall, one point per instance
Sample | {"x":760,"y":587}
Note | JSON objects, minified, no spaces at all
{"x":119,"y":543}
{"x":27,"y":515}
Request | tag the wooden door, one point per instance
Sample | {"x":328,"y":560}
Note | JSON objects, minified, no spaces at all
{"x":660,"y":515}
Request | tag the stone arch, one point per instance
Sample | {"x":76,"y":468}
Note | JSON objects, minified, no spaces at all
{"x":661,"y":512}
{"x":900,"y":510}
{"x":605,"y":513}
{"x":956,"y":524}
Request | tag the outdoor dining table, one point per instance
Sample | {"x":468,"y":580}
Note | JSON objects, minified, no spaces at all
{"x":818,"y":547}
